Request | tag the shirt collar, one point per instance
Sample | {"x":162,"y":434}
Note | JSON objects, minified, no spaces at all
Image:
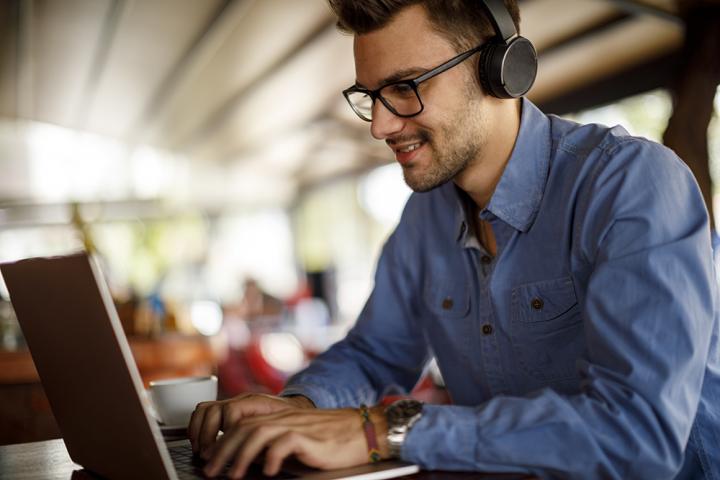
{"x":516,"y":199}
{"x":517,"y":196}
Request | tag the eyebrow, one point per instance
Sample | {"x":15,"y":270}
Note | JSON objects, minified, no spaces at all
{"x":397,"y":76}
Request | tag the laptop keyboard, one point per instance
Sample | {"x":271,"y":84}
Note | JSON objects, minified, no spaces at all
{"x":190,"y":466}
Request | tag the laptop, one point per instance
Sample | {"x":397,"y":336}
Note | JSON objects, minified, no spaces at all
{"x":92,"y":383}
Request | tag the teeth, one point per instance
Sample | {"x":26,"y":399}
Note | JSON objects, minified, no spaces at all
{"x":409,"y":148}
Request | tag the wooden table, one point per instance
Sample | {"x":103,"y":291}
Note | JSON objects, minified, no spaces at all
{"x":49,"y":460}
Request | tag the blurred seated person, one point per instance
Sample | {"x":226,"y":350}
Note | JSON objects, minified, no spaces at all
{"x":256,"y":303}
{"x":240,"y":366}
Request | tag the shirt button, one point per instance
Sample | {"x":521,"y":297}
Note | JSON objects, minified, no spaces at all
{"x":537,"y":303}
{"x":485,"y":259}
{"x":487,"y":329}
{"x":447,"y":304}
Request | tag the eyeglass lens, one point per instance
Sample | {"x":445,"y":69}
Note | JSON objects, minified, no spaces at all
{"x":400,"y":98}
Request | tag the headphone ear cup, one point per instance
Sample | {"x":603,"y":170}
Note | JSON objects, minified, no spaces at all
{"x":490,"y":66}
{"x":508,"y":70}
{"x":519,"y":67}
{"x":484,"y":66}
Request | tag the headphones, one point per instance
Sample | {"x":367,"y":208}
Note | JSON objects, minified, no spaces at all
{"x":508,"y":62}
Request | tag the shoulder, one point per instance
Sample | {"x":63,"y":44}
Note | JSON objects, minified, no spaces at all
{"x":613,"y":146}
{"x":635,"y":192}
{"x":594,"y":155}
{"x":618,"y":185}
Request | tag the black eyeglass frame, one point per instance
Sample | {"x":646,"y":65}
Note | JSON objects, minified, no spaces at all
{"x":412,"y":83}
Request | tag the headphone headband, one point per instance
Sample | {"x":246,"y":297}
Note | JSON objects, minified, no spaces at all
{"x":508,"y":62}
{"x":500,"y":18}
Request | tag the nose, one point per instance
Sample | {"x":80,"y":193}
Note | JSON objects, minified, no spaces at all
{"x":384,"y":122}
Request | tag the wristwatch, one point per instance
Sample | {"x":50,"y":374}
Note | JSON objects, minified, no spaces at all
{"x":401,"y":416}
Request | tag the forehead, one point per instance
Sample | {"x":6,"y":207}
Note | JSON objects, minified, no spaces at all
{"x":408,"y":41}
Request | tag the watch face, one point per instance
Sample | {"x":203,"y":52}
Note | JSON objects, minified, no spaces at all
{"x":401,"y":416}
{"x":403,"y":410}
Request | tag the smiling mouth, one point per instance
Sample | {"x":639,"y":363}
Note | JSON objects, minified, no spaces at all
{"x":409,"y":148}
{"x":408,"y":143}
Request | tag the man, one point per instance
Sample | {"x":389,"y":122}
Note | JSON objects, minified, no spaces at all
{"x":561,"y":275}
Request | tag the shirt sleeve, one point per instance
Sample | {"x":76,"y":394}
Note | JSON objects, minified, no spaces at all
{"x":648,"y":316}
{"x":384,"y":353}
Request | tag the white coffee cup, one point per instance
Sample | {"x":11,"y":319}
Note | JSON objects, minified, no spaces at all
{"x":175,"y":399}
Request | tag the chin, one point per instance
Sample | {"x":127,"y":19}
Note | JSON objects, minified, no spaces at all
{"x":420,"y":185}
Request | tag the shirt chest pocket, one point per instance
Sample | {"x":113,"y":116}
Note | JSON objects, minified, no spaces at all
{"x":547,"y":329}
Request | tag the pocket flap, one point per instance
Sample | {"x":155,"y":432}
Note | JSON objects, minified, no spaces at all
{"x":447,"y":299}
{"x":543,"y":301}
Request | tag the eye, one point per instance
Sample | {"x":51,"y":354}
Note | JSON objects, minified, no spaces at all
{"x":399,"y":90}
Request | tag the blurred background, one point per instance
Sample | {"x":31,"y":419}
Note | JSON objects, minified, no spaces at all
{"x":202,"y":151}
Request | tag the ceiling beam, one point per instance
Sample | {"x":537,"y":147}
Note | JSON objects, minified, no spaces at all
{"x":603,"y":55}
{"x":200,"y":52}
{"x":566,"y":19}
{"x":638,"y":79}
{"x":97,"y":67}
{"x":9,"y":57}
{"x":639,"y":7}
{"x":220,"y":116}
{"x":25,"y":61}
{"x":606,"y":24}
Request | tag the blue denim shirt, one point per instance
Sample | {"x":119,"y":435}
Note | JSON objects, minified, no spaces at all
{"x":587,"y":348}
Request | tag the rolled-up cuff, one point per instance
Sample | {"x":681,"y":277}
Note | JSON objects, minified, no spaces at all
{"x":317,"y":395}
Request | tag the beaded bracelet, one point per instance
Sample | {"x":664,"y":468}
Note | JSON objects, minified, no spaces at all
{"x":369,"y":429}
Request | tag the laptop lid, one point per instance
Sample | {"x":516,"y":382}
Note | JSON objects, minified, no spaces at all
{"x":76,"y":340}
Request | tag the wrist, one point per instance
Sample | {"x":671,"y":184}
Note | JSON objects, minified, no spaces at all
{"x":377,"y":415}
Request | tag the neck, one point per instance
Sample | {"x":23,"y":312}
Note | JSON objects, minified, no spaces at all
{"x":480,"y":178}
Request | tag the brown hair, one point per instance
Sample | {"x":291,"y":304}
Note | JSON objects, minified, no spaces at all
{"x":463,"y":22}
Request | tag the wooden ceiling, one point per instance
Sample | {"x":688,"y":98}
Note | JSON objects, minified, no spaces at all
{"x":253,"y":86}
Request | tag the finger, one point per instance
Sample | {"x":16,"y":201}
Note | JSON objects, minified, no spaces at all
{"x":259,"y":438}
{"x":225,"y":448}
{"x":285,"y":445}
{"x":233,"y":413}
{"x":196,"y":421}
{"x":210,"y":428}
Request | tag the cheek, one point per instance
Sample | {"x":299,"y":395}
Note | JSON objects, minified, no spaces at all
{"x":441,"y":128}
{"x":433,"y":119}
{"x":450,"y":111}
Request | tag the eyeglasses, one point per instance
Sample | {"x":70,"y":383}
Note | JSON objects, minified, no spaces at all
{"x":401,"y":98}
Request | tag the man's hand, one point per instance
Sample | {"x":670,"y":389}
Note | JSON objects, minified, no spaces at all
{"x":324,"y":439}
{"x":210,"y":417}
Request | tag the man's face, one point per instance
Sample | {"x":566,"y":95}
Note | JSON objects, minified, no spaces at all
{"x":440,"y":143}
